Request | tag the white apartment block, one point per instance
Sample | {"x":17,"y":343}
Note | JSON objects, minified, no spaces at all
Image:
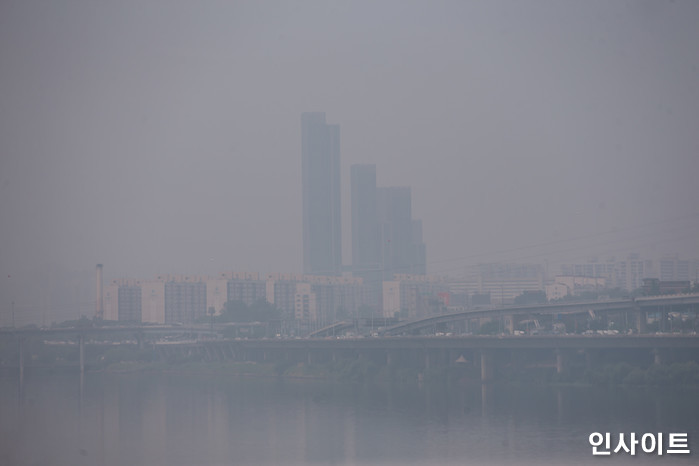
{"x":566,"y":285}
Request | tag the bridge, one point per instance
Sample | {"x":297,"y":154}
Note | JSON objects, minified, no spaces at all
{"x":81,"y":334}
{"x":338,"y":328}
{"x":668,"y":300}
{"x":638,"y":308}
{"x":207,"y":344}
{"x":199,"y":330}
{"x":427,"y":352}
{"x":486,"y":352}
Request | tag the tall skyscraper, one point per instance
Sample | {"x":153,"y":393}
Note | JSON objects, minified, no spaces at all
{"x":320,"y":155}
{"x":419,"y":266}
{"x":366,"y":247}
{"x":395,"y":228}
{"x":386,"y":240}
{"x":366,"y":243}
{"x":401,"y":235}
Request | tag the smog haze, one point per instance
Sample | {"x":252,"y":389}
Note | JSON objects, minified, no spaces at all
{"x":165,"y":136}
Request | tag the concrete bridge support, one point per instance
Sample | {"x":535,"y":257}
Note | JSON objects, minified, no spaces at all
{"x":591,"y":357}
{"x":658,"y":356}
{"x":140,"y":340}
{"x":20,"y":344}
{"x":642,"y":322}
{"x":665,"y":320}
{"x":486,"y":397}
{"x":562,"y":360}
{"x":446,"y":358}
{"x":487,"y":365}
{"x":81,"y":344}
{"x":436,"y":358}
{"x":511,"y":322}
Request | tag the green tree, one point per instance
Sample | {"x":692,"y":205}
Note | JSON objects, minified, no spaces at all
{"x":490,"y":328}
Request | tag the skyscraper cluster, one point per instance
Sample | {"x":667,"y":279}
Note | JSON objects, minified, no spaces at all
{"x":388,"y":272}
{"x":386,"y":240}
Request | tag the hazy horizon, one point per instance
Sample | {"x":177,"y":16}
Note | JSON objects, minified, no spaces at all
{"x":165,"y":137}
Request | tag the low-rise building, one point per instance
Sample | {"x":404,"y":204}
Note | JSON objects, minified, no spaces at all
{"x":414,"y":296}
{"x":566,"y":285}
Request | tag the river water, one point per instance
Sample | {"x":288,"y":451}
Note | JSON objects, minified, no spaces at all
{"x":167,"y":419}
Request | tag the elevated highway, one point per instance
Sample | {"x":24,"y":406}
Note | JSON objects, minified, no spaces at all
{"x":638,"y":306}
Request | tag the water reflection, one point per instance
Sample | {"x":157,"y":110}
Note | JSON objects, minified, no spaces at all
{"x":108,"y":419}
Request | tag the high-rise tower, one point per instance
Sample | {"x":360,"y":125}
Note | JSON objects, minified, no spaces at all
{"x":366,"y":246}
{"x":99,"y":303}
{"x":366,"y":242}
{"x":395,"y":227}
{"x":320,"y":155}
{"x":386,"y":240}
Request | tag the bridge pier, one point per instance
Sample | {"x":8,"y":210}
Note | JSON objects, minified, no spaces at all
{"x":81,"y":344}
{"x":510,"y":323}
{"x":487,"y":363}
{"x":20,"y":343}
{"x":562,"y":359}
{"x":642,"y":323}
{"x":486,"y":398}
{"x":658,"y":356}
{"x":591,"y":357}
{"x":444,"y":357}
{"x":140,"y":340}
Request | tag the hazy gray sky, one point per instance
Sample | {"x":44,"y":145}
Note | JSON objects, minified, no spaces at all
{"x":164,"y":136}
